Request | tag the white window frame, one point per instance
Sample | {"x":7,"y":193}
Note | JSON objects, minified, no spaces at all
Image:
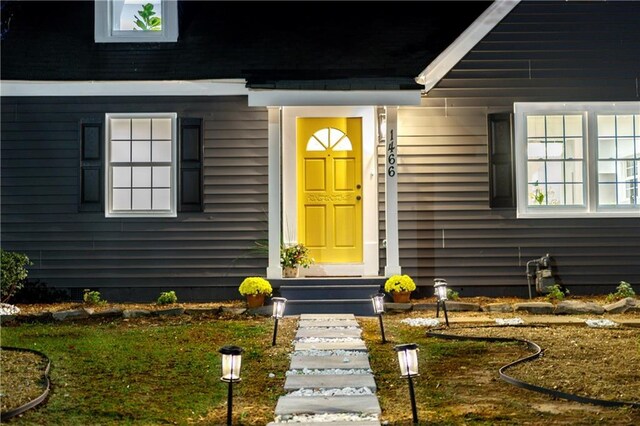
{"x":589,"y":111}
{"x":174,"y":164}
{"x":104,"y":33}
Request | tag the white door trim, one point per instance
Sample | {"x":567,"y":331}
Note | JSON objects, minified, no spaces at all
{"x":370,"y":224}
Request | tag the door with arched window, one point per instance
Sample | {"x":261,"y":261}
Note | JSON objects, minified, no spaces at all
{"x":330,"y":188}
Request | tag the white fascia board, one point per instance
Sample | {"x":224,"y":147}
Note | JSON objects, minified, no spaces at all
{"x":440,"y":66}
{"x":333,"y":97}
{"x":231,"y":87}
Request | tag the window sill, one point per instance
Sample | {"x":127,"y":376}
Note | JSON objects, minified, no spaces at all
{"x":575,"y":214}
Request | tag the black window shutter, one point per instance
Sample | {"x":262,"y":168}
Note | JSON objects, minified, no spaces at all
{"x":91,"y":174}
{"x":191,"y":160}
{"x":501,"y":165}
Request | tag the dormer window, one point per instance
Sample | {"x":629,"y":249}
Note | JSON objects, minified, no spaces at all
{"x":136,"y":21}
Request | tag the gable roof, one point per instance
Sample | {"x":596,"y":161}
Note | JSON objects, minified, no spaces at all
{"x":327,"y":46}
{"x":462,"y":45}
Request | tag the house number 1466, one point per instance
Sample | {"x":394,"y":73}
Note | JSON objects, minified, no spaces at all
{"x":391,"y":156}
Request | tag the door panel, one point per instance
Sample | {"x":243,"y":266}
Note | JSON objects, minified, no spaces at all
{"x":314,"y":174}
{"x":345,"y":235}
{"x":329,"y":188}
{"x":315,"y":236}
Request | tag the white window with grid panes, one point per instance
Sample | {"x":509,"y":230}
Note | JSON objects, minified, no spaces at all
{"x":141,"y":165}
{"x":577,"y":159}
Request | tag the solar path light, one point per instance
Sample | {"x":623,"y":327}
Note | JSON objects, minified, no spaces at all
{"x":378,"y":308}
{"x":440,"y":290}
{"x":408,"y":360}
{"x":278,"y":312}
{"x":231,"y":362}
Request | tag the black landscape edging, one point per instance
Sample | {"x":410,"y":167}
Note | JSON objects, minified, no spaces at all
{"x":6,"y":415}
{"x":521,"y":384}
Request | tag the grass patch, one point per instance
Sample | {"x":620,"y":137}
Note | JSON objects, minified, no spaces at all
{"x":155,"y":372}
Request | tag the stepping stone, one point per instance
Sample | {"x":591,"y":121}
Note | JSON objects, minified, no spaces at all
{"x":332,"y":361}
{"x":328,"y":333}
{"x":327,"y":317}
{"x":316,"y":381}
{"x":337,"y":323}
{"x":354,"y":345}
{"x":364,"y":404}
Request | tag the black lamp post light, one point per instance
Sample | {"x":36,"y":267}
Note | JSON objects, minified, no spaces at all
{"x":440,"y":290}
{"x":408,"y":360}
{"x":231,"y":362}
{"x":279,"y":304}
{"x":378,"y":308}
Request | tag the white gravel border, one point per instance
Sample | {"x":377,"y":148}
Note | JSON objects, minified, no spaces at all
{"x":600,"y":323}
{"x":421,"y":322}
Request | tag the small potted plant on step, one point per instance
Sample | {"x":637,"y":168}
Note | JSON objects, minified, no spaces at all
{"x":292,"y":258}
{"x":400,"y":287}
{"x":255,"y":289}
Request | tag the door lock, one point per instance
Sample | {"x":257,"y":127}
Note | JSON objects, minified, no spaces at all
{"x":358,"y":186}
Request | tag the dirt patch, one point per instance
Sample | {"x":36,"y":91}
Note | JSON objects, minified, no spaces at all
{"x":22,"y":378}
{"x":585,"y":362}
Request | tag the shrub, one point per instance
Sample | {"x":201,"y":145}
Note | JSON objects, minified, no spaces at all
{"x":36,"y":291}
{"x":399,"y":283}
{"x":623,"y":291}
{"x":167,"y":298}
{"x":452,"y":295}
{"x":556,"y":292}
{"x":92,"y":298}
{"x":13,"y":272}
{"x":255,"y":285}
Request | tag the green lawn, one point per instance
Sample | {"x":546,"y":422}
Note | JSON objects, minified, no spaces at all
{"x":167,"y":371}
{"x":153,"y":372}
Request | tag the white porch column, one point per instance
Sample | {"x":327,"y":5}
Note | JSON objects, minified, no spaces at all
{"x":391,"y":193}
{"x":274,"y":270}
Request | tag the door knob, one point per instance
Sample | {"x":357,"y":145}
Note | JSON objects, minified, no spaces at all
{"x":358,"y":197}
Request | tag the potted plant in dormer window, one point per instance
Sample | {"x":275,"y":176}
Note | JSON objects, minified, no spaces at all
{"x":400,"y":287}
{"x":255,"y":289}
{"x":293,"y":257}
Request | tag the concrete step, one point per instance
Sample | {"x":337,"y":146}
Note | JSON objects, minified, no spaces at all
{"x":355,"y":345}
{"x":324,"y":292}
{"x":328,"y":333}
{"x":360,"y":307}
{"x":330,"y":323}
{"x":362,"y":423}
{"x":327,"y":317}
{"x":332,"y":361}
{"x":318,"y":381}
{"x":329,"y":281}
{"x":363,"y":404}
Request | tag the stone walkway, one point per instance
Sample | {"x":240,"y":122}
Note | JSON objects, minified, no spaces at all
{"x":330,"y":379}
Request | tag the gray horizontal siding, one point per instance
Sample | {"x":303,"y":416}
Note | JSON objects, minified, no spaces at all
{"x":448,"y":230}
{"x":542,"y":51}
{"x":40,"y":168}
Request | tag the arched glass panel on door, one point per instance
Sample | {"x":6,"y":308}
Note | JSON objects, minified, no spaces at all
{"x":331,"y":138}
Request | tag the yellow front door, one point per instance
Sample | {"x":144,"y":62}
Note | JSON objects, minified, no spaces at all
{"x":330,"y":188}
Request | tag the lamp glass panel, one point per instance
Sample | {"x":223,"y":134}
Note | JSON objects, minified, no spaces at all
{"x":408,"y":360}
{"x":231,"y":367}
{"x":378,"y":304}
{"x":278,"y":307}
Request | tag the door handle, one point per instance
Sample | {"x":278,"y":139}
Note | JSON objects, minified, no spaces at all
{"x":358,"y":197}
